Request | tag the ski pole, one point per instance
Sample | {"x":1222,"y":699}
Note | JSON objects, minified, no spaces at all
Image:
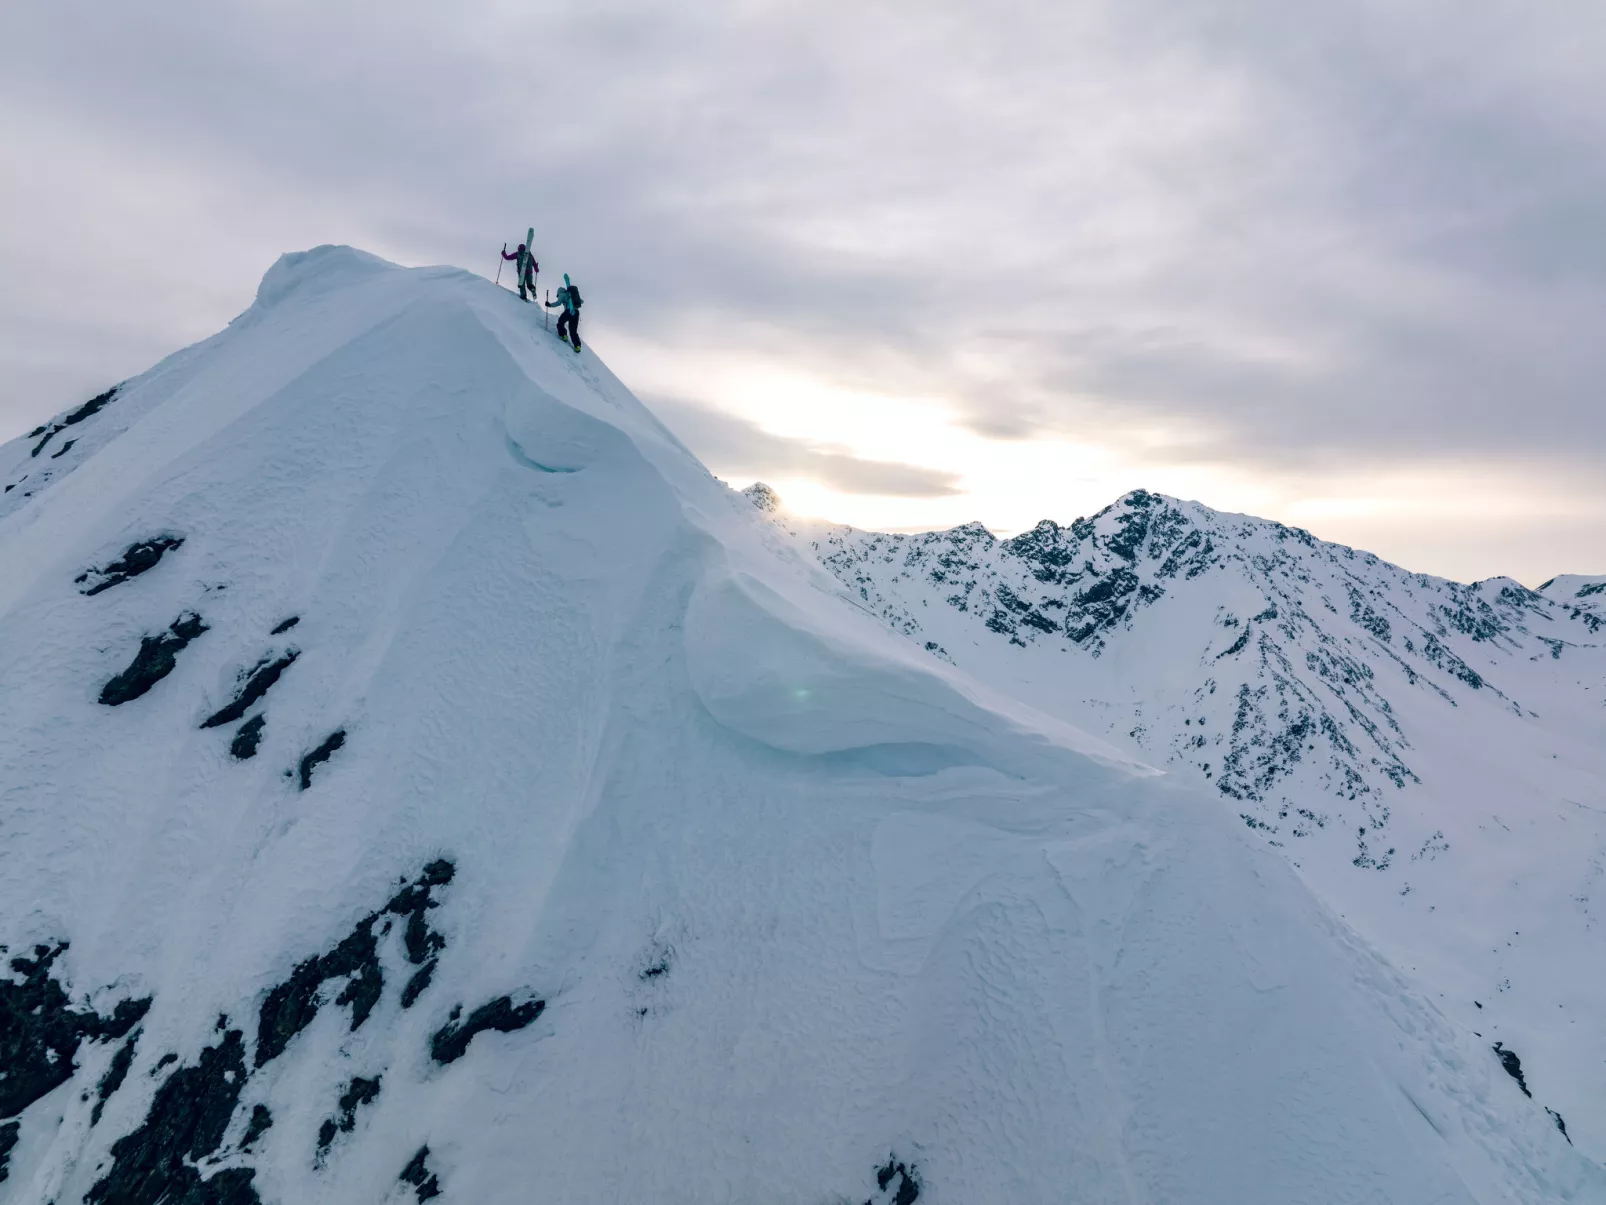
{"x":499,"y":264}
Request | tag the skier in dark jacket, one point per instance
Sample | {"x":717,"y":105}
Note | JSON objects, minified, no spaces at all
{"x":527,"y":268}
{"x":569,"y":320}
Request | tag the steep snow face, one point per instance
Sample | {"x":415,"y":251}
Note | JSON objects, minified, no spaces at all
{"x":422,"y":779}
{"x":1431,"y":755}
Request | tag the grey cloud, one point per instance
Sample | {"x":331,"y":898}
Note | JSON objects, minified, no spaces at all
{"x":1301,"y":236}
{"x":736,"y":448}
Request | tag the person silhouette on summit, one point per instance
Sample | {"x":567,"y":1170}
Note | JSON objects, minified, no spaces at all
{"x":569,"y":320}
{"x":527,"y":268}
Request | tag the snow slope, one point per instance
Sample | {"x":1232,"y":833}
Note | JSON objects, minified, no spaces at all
{"x":423,"y":779}
{"x":1430,"y":755}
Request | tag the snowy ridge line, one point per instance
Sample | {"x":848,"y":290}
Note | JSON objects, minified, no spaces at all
{"x":641,"y":861}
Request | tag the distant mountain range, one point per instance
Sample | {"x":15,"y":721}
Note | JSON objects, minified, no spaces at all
{"x":1431,"y":755}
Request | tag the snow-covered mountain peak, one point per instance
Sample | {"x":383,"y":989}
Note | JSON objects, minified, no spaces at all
{"x":1379,"y":727}
{"x":423,"y":779}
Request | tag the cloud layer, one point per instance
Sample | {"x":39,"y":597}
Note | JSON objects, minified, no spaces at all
{"x":1302,"y":248}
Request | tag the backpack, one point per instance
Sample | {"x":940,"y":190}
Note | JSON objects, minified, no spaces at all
{"x":574,"y":296}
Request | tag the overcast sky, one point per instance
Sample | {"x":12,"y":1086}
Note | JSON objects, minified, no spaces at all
{"x":1342,"y":265}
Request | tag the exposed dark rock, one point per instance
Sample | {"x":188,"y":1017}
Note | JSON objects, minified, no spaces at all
{"x":291,"y":1006}
{"x":186,"y":1123}
{"x":63,"y":450}
{"x":1513,"y":1066}
{"x":40,"y":1031}
{"x":115,"y":1075}
{"x":155,"y":660}
{"x":136,"y":559}
{"x":167,"y":1060}
{"x":451,"y":1041}
{"x":259,"y":1124}
{"x":285,"y":626}
{"x":1560,"y":1124}
{"x":89,"y":409}
{"x":413,"y":901}
{"x":245,"y":742}
{"x":8,"y":1139}
{"x":359,"y":1092}
{"x":320,"y":755}
{"x":417,"y":982}
{"x":417,"y":1173}
{"x":897,"y":1183}
{"x":257,"y":683}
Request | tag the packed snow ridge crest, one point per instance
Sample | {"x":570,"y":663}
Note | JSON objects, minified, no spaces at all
{"x":423,"y":779}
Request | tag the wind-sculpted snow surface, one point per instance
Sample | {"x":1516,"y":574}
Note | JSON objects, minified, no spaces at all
{"x":1431,"y":755}
{"x":647,"y":866}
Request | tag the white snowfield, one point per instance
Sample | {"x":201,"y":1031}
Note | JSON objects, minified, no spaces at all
{"x":649,"y":865}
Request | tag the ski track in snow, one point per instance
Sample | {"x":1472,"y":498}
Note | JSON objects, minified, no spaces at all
{"x":811,"y":915}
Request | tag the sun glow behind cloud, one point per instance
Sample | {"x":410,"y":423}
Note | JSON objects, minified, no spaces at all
{"x":1011,"y":484}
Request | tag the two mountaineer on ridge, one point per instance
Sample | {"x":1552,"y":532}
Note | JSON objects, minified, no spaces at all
{"x":568,"y":300}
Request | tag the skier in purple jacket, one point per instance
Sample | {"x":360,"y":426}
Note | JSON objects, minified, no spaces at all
{"x":527,"y":268}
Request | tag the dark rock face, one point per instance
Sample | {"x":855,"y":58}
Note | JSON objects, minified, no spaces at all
{"x":321,"y":754}
{"x":359,"y":1092}
{"x":157,"y":657}
{"x":136,"y":559}
{"x":291,"y":1006}
{"x":167,"y":1158}
{"x":8,"y":1139}
{"x":257,"y":683}
{"x":88,"y":410}
{"x":261,"y":1121}
{"x":896,"y":1184}
{"x":284,"y":627}
{"x":1513,"y":1066}
{"x":186,"y":1123}
{"x":451,"y":1041}
{"x":417,"y":1173}
{"x":245,"y":742}
{"x":114,"y":1077}
{"x":40,"y":1031}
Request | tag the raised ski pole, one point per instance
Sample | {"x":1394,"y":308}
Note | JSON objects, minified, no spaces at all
{"x":499,"y":264}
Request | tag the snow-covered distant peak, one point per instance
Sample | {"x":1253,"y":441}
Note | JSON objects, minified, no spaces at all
{"x":1578,"y":589}
{"x":763,"y":496}
{"x":1407,"y":741}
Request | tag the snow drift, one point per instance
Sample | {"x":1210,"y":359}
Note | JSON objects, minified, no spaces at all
{"x":422,"y":778}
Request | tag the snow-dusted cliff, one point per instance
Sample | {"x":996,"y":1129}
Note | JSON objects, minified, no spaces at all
{"x":422,"y":780}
